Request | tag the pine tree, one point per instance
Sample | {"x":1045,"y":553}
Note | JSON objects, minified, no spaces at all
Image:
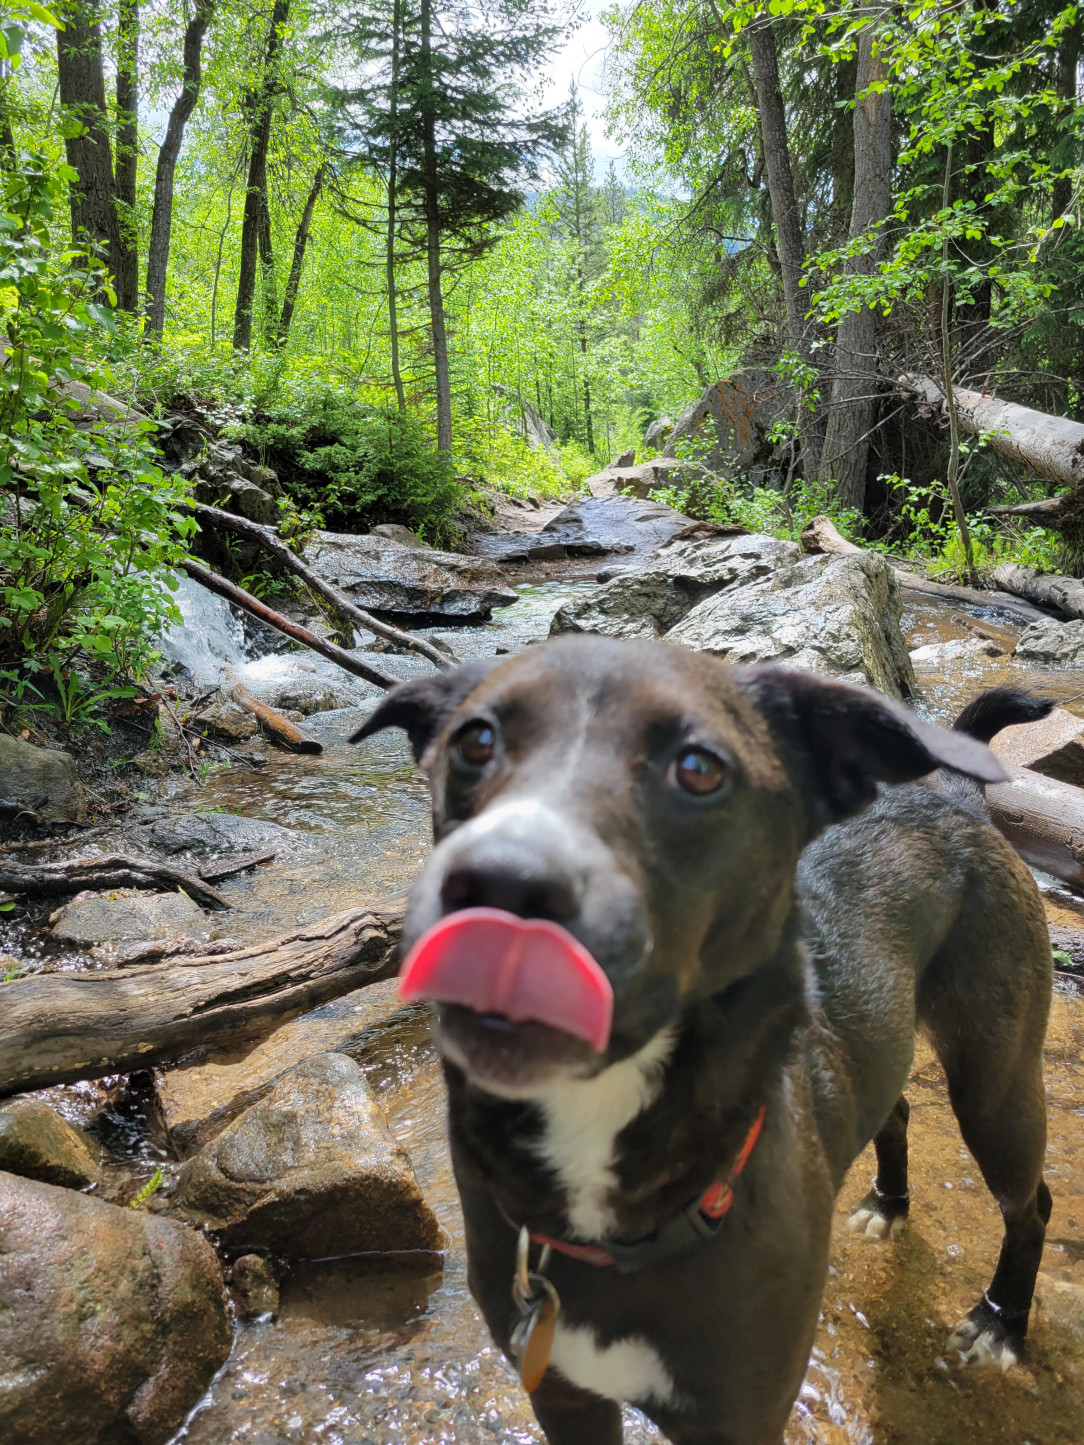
{"x":579,"y":212}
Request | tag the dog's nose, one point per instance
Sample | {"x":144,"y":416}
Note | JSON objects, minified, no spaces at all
{"x":527,"y":870}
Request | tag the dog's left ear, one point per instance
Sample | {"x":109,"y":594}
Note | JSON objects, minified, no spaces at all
{"x":421,"y":707}
{"x":838,"y":742}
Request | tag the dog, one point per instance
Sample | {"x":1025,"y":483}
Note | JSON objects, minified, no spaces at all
{"x":735,"y":925}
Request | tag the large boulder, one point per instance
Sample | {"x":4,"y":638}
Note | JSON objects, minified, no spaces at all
{"x":310,"y":1171}
{"x":414,"y":583}
{"x":205,"y":834}
{"x":39,"y":781}
{"x":39,"y":1143}
{"x":593,"y":527}
{"x":650,"y":601}
{"x":640,"y":481}
{"x":1059,"y":643}
{"x":730,"y":425}
{"x":128,"y":915}
{"x":201,"y":1097}
{"x":834,"y":615}
{"x":112,"y":1322}
{"x":658,"y":433}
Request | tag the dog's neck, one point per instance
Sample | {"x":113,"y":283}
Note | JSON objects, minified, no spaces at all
{"x":619,"y":1154}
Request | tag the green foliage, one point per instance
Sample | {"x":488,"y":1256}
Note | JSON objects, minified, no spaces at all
{"x":761,"y":509}
{"x":496,"y":455}
{"x":152,"y":1186}
{"x":358,"y":465}
{"x":89,"y":524}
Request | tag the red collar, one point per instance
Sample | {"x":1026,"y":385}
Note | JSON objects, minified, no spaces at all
{"x":697,"y":1222}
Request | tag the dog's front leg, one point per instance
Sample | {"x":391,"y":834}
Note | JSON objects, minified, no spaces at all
{"x":571,"y":1416}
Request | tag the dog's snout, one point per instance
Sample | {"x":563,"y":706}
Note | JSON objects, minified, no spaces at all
{"x":517,"y":880}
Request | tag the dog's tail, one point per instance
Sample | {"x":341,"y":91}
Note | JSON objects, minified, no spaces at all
{"x":1001,"y":707}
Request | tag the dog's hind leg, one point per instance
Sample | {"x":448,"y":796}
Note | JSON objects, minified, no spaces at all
{"x":882,"y":1213}
{"x":571,"y":1416}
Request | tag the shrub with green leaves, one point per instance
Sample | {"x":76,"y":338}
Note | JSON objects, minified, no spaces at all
{"x":89,"y":525}
{"x":357,"y":465}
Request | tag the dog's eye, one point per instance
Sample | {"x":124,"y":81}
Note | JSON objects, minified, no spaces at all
{"x":699,"y":772}
{"x":476,"y":744}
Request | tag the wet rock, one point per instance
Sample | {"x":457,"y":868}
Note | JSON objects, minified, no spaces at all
{"x":204,"y":834}
{"x":1060,"y":643}
{"x":129,"y":914}
{"x":731,"y":424}
{"x":311,"y":1171}
{"x":641,"y":481}
{"x":658,"y":433}
{"x":613,"y":524}
{"x":112,"y":1322}
{"x":395,"y":532}
{"x":252,"y":502}
{"x":254,"y":1286}
{"x":410,"y":582}
{"x":834,"y":615}
{"x":955,"y":649}
{"x":626,"y":459}
{"x":227,"y":722}
{"x":39,"y":781}
{"x":650,"y":601}
{"x":39,"y":1143}
{"x":1054,"y":746}
{"x":305,"y":695}
{"x":198,"y":1099}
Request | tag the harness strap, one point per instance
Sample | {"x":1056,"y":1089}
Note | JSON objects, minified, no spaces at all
{"x":697,"y":1222}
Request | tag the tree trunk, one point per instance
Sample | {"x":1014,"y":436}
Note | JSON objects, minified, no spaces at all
{"x":60,"y":1027}
{"x":267,"y":272}
{"x":127,"y":280}
{"x":1066,"y":594}
{"x":162,"y":216}
{"x":788,"y":231}
{"x":854,"y":389}
{"x":431,"y":187}
{"x":255,"y":226}
{"x":586,"y":388}
{"x":1068,"y":65}
{"x":393,"y":204}
{"x":82,"y":94}
{"x":301,"y":241}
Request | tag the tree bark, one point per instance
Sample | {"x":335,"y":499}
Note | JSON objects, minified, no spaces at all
{"x":240,"y":598}
{"x":1044,"y":821}
{"x":127,"y":280}
{"x":1068,"y":65}
{"x":272,"y":543}
{"x":431,"y":197}
{"x":82,"y":94}
{"x":255,"y":225}
{"x":301,"y":241}
{"x":115,"y":870}
{"x":1051,"y":445}
{"x":281,"y":729}
{"x":853,"y":403}
{"x":788,"y":231}
{"x":1065,"y":594}
{"x":162,"y":215}
{"x":393,"y":205}
{"x":57,"y":1028}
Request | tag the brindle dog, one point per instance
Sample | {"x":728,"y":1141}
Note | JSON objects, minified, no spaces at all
{"x":774,"y":924}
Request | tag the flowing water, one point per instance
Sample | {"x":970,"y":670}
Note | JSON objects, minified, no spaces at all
{"x":364,"y":1353}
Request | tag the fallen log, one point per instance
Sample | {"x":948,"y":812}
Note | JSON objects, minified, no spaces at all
{"x":1050,"y":445}
{"x":820,"y":535}
{"x":215,"y":872}
{"x":1044,"y":821}
{"x":57,"y":1028}
{"x":1064,"y":594}
{"x":245,"y":600}
{"x":280,"y":728}
{"x":271,"y":542}
{"x":113,"y":870}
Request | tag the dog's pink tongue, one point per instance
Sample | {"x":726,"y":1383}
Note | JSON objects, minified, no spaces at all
{"x":522,"y":968}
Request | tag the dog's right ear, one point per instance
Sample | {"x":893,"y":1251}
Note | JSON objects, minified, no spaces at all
{"x":422,"y":706}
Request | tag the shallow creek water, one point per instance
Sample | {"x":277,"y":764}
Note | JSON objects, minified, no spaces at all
{"x":365,"y":1353}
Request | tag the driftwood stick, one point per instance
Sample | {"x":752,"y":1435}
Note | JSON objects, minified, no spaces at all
{"x":56,"y":1028}
{"x":1044,"y":821}
{"x":1065,"y":594}
{"x":114,"y":870}
{"x":237,"y":595}
{"x":280,"y":728}
{"x":215,"y":872}
{"x":271,"y":542}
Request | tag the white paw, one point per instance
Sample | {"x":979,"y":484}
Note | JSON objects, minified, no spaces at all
{"x":990,"y":1346}
{"x":870,"y":1223}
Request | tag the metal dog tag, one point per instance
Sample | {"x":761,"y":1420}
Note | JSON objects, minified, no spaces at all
{"x":538,"y":1304}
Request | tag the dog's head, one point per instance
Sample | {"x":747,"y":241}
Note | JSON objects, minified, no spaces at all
{"x":651,"y":801}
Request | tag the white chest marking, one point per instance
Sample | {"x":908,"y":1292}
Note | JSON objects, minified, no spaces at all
{"x":582,"y":1119}
{"x":627,"y":1370}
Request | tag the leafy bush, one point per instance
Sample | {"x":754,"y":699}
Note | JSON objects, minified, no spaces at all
{"x":761,"y":509}
{"x":357,"y":465}
{"x":88,"y":523}
{"x":506,"y":461}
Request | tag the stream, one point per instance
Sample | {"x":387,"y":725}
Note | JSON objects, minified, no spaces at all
{"x":364,"y":1354}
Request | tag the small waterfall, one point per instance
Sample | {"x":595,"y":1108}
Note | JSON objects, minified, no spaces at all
{"x":208,"y":639}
